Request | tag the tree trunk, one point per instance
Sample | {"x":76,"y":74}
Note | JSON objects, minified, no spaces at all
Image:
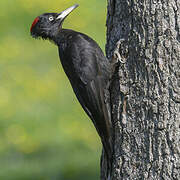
{"x":145,"y":89}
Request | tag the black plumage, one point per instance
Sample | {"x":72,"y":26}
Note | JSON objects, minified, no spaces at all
{"x":86,"y":67}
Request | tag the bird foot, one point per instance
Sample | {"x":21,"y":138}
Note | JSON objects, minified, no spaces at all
{"x":116,"y":55}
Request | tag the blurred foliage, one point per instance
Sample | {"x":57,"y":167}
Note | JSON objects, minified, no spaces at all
{"x":44,"y":133}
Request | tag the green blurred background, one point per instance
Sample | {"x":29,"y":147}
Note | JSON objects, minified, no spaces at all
{"x":44,"y":133}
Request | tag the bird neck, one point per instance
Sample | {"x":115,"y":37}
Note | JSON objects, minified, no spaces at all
{"x":62,"y":36}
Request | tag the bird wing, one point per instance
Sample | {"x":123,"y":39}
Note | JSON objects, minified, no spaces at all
{"x":91,"y":71}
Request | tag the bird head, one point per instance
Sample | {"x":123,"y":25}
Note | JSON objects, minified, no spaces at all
{"x":49,"y":24}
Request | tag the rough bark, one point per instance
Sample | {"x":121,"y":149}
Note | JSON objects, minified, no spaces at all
{"x":145,"y":90}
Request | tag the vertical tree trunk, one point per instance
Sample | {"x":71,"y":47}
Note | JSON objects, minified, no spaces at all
{"x":145,"y":90}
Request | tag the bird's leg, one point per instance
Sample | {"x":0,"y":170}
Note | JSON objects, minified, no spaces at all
{"x":116,"y":57}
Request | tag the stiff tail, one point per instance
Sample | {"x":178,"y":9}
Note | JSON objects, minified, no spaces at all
{"x":106,"y":166}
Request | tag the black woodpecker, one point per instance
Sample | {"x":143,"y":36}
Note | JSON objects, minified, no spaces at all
{"x":86,"y":67}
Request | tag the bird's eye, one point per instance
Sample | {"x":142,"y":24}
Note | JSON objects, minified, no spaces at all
{"x":51,"y":18}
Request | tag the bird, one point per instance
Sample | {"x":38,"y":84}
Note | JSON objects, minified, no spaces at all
{"x":86,"y":67}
